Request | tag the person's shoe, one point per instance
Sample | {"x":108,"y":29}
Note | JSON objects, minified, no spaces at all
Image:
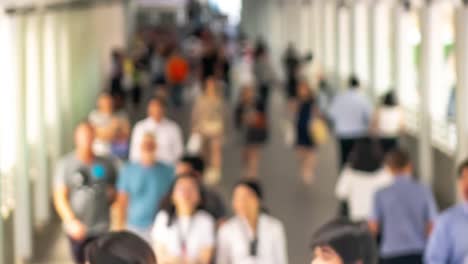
{"x":212,"y":176}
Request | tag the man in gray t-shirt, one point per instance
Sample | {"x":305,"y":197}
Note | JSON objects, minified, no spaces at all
{"x":84,"y":190}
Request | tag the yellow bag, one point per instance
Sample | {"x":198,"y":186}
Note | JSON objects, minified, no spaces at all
{"x":319,"y":131}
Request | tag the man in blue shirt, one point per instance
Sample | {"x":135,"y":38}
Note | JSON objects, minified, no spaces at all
{"x":350,"y":113}
{"x":141,"y":187}
{"x":403,"y":213}
{"x":449,"y":241}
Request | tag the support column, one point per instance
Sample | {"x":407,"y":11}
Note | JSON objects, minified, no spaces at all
{"x":277,"y":43}
{"x":397,"y":45}
{"x":343,"y":45}
{"x":379,"y":48}
{"x":318,"y":32}
{"x":461,"y":42}
{"x":428,"y":77}
{"x":373,"y":48}
{"x":330,"y":38}
{"x":42,"y":190}
{"x":359,"y":43}
{"x":22,"y":222}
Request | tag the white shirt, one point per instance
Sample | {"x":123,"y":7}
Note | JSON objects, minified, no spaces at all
{"x":234,"y":242}
{"x":168,"y":138}
{"x":198,"y":232}
{"x":389,"y":121}
{"x":358,"y":188}
{"x":351,"y":113}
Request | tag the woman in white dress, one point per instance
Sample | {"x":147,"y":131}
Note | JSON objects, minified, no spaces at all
{"x":183,"y":233}
{"x":251,"y":236}
{"x":362,"y":178}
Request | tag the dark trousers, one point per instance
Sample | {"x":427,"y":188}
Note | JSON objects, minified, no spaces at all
{"x":78,"y":248}
{"x":135,"y":94}
{"x":388,"y":144}
{"x":176,"y":94}
{"x":408,"y":259}
{"x":264,"y":93}
{"x":346,"y":146}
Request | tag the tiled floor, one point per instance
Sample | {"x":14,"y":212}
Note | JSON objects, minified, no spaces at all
{"x":302,"y":209}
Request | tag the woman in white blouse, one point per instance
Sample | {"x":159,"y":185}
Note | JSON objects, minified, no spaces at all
{"x":388,"y":122}
{"x":182,"y":232}
{"x":362,"y":178}
{"x":251,"y":236}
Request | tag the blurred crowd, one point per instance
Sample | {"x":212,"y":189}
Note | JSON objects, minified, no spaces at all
{"x":158,"y":191}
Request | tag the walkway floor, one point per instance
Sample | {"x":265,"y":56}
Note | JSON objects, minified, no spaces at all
{"x":301,"y":208}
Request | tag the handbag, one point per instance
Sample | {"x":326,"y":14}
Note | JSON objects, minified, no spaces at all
{"x":319,"y":131}
{"x":194,"y":144}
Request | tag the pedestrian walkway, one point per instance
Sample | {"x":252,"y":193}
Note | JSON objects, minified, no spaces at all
{"x":301,"y":208}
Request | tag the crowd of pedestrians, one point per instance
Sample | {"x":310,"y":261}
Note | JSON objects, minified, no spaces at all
{"x":159,"y":195}
{"x":379,"y":189}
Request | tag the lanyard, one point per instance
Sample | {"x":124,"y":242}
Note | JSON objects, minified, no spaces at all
{"x":254,"y":242}
{"x":184,"y":237}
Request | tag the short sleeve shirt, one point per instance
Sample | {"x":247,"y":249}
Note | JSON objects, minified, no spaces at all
{"x":404,"y":209}
{"x":358,"y":188}
{"x":234,"y":239}
{"x":198,"y":232}
{"x":350,"y":112}
{"x":145,"y":187}
{"x":88,"y":187}
{"x":449,"y":243}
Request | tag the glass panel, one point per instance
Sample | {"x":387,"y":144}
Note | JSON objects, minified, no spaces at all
{"x":344,"y":43}
{"x":443,"y":94}
{"x":361,"y":42}
{"x":51,"y":91}
{"x":8,"y":115}
{"x":330,"y":18}
{"x":384,"y":53}
{"x":410,"y":53}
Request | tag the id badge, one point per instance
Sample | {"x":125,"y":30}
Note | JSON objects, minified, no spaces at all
{"x":253,"y":248}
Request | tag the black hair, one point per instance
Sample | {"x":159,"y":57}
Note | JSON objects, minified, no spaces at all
{"x":196,"y":162}
{"x":352,"y":242}
{"x":253,"y":185}
{"x":354,"y":82}
{"x":462,"y":167}
{"x":260,"y":49}
{"x":257,"y":189}
{"x":389,"y":99}
{"x":119,"y":248}
{"x":168,"y":205}
{"x":205,"y":81}
{"x":398,"y":159}
{"x":366,"y":155}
